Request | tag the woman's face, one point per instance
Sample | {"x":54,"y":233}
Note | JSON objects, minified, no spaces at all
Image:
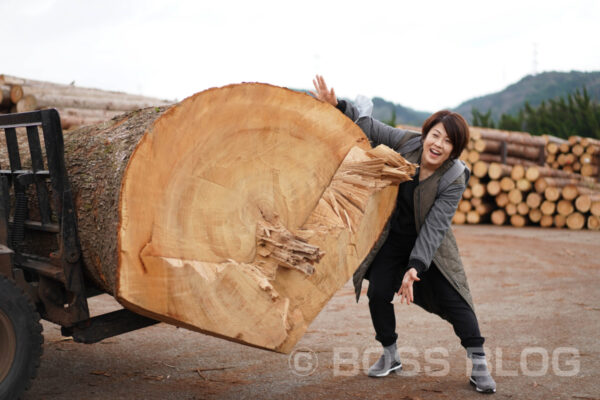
{"x":437,"y":147}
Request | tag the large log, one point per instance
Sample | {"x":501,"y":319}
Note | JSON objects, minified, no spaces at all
{"x":496,"y":158}
{"x":528,"y":152}
{"x":59,"y":90}
{"x":522,"y":138}
{"x":535,"y":172}
{"x":237,"y":212}
{"x":97,"y":103}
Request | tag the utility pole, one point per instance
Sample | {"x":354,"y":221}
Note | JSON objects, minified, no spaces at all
{"x":535,"y":62}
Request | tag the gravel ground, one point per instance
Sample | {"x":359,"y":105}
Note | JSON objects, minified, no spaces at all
{"x":537,"y":297}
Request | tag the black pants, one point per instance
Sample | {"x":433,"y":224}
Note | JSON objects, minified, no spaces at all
{"x":385,"y":278}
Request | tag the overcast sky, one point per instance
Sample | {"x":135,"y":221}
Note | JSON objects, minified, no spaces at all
{"x":425,"y":55}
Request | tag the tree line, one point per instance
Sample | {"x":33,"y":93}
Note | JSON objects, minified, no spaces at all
{"x":577,"y":114}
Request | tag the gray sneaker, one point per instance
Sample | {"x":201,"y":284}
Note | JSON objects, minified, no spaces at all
{"x":388,"y":362}
{"x":480,"y":376}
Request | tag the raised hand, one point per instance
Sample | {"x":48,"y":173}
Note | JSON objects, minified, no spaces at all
{"x":322,"y":92}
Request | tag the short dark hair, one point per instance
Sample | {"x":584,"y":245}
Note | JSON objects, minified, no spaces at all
{"x":456,"y":127}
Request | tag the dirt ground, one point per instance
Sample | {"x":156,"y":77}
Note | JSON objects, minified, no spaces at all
{"x":537,"y":297}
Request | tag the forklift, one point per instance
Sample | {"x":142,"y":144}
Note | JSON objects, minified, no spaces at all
{"x":42,"y":274}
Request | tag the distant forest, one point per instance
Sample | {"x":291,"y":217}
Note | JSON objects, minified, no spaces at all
{"x":575,"y":114}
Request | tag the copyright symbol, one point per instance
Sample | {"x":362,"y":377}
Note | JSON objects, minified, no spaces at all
{"x":303,"y":361}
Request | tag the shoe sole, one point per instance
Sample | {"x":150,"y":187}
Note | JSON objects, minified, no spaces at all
{"x":386,"y":373}
{"x":486,"y":391}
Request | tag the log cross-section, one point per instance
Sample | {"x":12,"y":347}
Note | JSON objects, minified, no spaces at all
{"x":238,"y":212}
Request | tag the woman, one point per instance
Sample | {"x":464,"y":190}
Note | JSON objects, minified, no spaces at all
{"x":417,"y":256}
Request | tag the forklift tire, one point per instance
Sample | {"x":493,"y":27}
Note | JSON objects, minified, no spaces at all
{"x":20,"y":340}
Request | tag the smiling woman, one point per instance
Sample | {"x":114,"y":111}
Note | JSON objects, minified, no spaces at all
{"x":417,"y":255}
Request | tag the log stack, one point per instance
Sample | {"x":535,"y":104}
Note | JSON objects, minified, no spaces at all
{"x":516,"y":179}
{"x":576,"y":154}
{"x":512,"y":148}
{"x":77,"y":106}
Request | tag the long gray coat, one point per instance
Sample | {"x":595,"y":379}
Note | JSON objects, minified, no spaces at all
{"x":433,"y":210}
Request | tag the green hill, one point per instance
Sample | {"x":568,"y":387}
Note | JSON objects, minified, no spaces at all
{"x":384,"y":111}
{"x":534,"y":89}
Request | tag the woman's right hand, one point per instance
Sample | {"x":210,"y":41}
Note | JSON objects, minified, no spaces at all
{"x":322,"y":93}
{"x":406,"y":290}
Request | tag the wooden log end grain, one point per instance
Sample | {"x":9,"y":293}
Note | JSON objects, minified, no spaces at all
{"x":560,"y":220}
{"x":243,"y":209}
{"x":552,"y":193}
{"x":464,"y":206}
{"x":595,"y":208}
{"x":533,"y":200}
{"x":575,"y":221}
{"x":511,"y":209}
{"x":493,"y":187}
{"x":478,"y":190}
{"x":459,"y":218}
{"x":507,"y":184}
{"x":535,"y":215}
{"x":593,"y":223}
{"x":548,"y":207}
{"x":532,"y":173}
{"x":480,"y":169}
{"x":522,"y":208}
{"x":473,"y":217}
{"x":502,"y":199}
{"x":497,"y":170}
{"x":583,"y":203}
{"x":498,"y":217}
{"x":515,"y":196}
{"x":546,"y":221}
{"x":518,"y":172}
{"x":565,"y":207}
{"x":518,"y":220}
{"x":569,"y":192}
{"x":523,"y":185}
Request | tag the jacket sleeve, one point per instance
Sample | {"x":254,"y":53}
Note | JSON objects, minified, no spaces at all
{"x":377,"y":132}
{"x":436,"y":225}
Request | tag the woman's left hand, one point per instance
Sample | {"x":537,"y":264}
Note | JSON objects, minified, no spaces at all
{"x":406,"y":290}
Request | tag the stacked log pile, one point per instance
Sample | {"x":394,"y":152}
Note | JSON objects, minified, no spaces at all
{"x":577,"y":154}
{"x":514,"y":183}
{"x":77,"y":105}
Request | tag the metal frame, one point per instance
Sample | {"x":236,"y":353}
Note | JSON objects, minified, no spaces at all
{"x":55,"y":282}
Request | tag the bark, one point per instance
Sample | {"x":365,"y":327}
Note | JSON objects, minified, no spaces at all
{"x":5,"y":96}
{"x":529,"y":152}
{"x":57,"y":90}
{"x":44,"y":100}
{"x":534,"y":172}
{"x":521,"y":138}
{"x":496,"y":158}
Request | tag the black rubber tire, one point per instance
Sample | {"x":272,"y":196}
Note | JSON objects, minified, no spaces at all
{"x":21,"y":333}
